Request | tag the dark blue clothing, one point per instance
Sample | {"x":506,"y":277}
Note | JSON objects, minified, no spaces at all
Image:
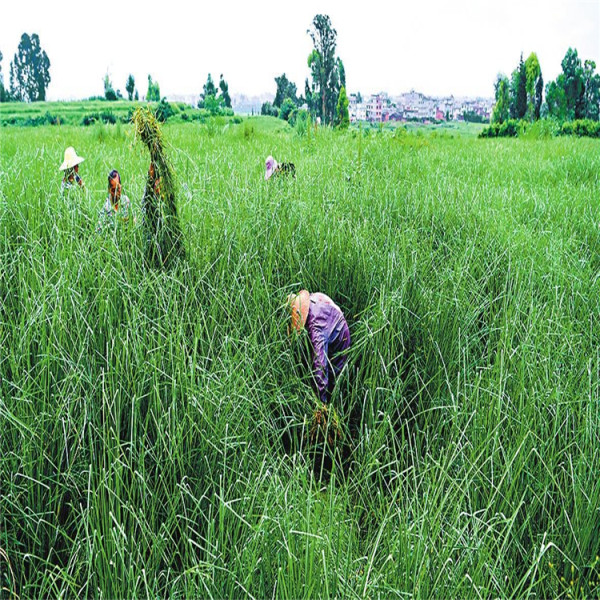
{"x":330,"y":337}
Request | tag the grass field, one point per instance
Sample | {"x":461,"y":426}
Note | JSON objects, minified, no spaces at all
{"x":73,"y":113}
{"x":153,"y":423}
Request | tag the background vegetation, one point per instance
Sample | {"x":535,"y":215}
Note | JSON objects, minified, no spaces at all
{"x":87,"y":112}
{"x":153,"y":422}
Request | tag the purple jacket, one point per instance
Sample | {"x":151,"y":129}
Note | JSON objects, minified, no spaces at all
{"x":329,"y":336}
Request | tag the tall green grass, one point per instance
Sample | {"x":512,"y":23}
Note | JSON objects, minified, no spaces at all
{"x":152,"y":424}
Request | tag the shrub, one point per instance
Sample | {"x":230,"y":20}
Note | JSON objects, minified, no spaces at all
{"x":302,"y":121}
{"x":164,"y":110}
{"x":106,"y":116}
{"x":45,"y":119}
{"x":581,"y":128}
{"x":542,"y":129}
{"x":510,"y":128}
{"x":89,"y":119}
{"x":269,"y":110}
{"x":287,"y":108}
{"x":248,"y":131}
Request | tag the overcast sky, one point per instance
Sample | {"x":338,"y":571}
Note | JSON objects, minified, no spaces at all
{"x":439,"y":47}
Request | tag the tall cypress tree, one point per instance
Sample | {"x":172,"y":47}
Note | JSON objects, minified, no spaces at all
{"x":341,"y":111}
{"x":539,"y":89}
{"x":224,"y":92}
{"x":521,"y":103}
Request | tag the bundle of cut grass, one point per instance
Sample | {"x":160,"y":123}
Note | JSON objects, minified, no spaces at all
{"x":163,"y":233}
{"x":325,"y":426}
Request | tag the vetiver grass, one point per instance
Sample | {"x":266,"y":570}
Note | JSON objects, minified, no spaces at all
{"x":152,"y":422}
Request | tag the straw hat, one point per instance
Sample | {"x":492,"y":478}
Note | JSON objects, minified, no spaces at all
{"x":271,"y":166}
{"x":299,"y":305}
{"x":71,"y":159}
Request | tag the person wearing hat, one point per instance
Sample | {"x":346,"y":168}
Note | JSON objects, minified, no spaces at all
{"x":329,"y":336}
{"x":70,"y":166}
{"x":274,"y":168}
{"x":117,"y":205}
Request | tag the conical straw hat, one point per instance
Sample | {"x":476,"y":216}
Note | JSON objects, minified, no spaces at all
{"x":299,"y":304}
{"x":71,"y":159}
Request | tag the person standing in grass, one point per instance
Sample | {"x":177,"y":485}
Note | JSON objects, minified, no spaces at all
{"x":70,"y":166}
{"x":117,"y":207}
{"x":329,"y":336}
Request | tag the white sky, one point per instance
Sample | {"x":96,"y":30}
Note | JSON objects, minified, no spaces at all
{"x":438,"y":47}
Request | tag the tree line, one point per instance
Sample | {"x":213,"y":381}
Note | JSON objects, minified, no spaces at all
{"x":30,"y":77}
{"x":325,"y":95}
{"x":29,"y":72}
{"x":574,"y":95}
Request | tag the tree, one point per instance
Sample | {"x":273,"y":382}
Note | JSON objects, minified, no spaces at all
{"x":208,"y":94}
{"x":3,"y":92}
{"x":591,"y":95}
{"x":285,"y":89}
{"x":287,"y":109}
{"x":573,"y":85}
{"x":533,"y":72}
{"x":29,"y":70}
{"x":501,"y":108}
{"x":556,"y":99}
{"x":268,"y":109}
{"x":224,"y":92}
{"x":209,"y":89}
{"x":539,"y":89}
{"x":208,"y":97}
{"x":153,"y":93}
{"x":109,"y":92}
{"x":342,"y":73}
{"x":213,"y":104}
{"x":130,"y":87}
{"x":576,"y":92}
{"x":312,"y":98}
{"x":521,"y":100}
{"x":342,"y":116}
{"x":325,"y":68}
{"x":512,"y":93}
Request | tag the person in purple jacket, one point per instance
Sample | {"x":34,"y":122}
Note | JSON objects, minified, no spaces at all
{"x":328,"y":333}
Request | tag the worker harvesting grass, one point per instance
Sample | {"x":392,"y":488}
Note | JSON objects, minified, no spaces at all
{"x":273,"y":168}
{"x":70,"y":166}
{"x":163,"y":233}
{"x":329,"y":336}
{"x":117,"y":208}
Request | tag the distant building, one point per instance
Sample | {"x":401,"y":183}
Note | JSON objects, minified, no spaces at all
{"x":416,"y":106}
{"x":396,"y":114}
{"x":374,"y":108}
